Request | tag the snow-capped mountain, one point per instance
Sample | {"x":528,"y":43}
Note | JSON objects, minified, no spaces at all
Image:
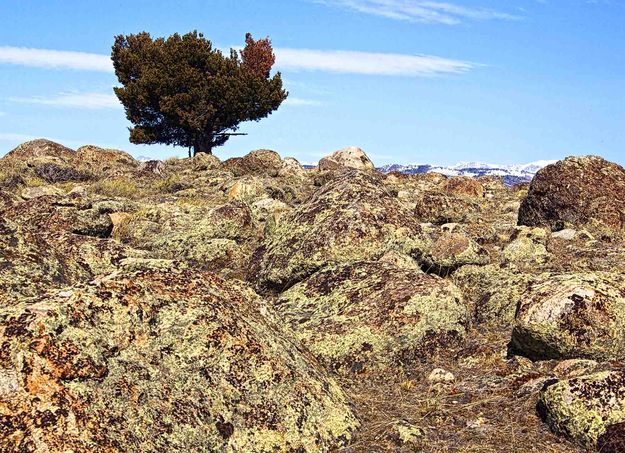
{"x":511,"y":174}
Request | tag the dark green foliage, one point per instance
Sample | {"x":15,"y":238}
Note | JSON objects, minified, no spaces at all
{"x":181,"y":91}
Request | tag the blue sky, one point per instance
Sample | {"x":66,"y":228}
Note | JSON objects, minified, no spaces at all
{"x":409,"y":81}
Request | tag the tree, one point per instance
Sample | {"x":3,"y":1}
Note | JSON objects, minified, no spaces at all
{"x":181,"y":91}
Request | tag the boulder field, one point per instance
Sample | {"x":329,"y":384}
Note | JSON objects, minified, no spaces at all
{"x":254,"y":305}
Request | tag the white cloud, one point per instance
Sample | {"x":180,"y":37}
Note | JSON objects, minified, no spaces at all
{"x":301,"y":102}
{"x":420,"y":11}
{"x":388,"y":64}
{"x":61,"y":59}
{"x":339,"y":61}
{"x":78,"y":100}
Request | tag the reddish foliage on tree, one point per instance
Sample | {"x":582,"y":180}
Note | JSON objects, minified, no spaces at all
{"x":257,"y":56}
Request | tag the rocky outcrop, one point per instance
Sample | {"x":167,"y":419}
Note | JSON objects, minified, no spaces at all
{"x":449,"y":252}
{"x":369,"y":316}
{"x":493,"y":292}
{"x":464,"y":186}
{"x":350,"y":219}
{"x":51,"y":242}
{"x":584,"y":408}
{"x":176,"y":361}
{"x":572,"y":316}
{"x":259,"y":162}
{"x":41,"y":148}
{"x":440,"y":208}
{"x":576,"y":191}
{"x":351,"y":157}
{"x":219,"y":238}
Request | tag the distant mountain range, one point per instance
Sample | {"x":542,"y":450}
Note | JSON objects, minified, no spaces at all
{"x":511,"y":174}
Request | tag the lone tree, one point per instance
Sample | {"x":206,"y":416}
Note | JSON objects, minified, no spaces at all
{"x":181,"y":91}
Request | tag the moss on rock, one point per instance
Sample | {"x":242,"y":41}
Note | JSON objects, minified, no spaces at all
{"x":161,"y":361}
{"x":373,"y":315}
{"x":573,"y":316}
{"x":582,"y":408}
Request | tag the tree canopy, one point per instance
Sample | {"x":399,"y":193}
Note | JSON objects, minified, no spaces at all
{"x":182,"y":91}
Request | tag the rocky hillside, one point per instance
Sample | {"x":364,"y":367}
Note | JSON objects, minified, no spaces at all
{"x":252,"y":305}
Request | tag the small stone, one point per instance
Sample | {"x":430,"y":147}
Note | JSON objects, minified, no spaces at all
{"x":567,"y":234}
{"x":440,"y":376}
{"x":404,"y":433}
{"x":478,"y":423}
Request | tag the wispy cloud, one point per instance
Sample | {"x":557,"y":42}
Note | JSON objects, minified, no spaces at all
{"x":77,"y":100}
{"x":388,"y":64}
{"x":339,"y":61}
{"x":420,"y":11}
{"x":62,"y":59}
{"x":301,"y":102}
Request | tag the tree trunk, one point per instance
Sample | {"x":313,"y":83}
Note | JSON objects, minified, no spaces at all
{"x":203,"y":145}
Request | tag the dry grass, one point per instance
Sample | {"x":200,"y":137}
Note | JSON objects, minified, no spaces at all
{"x":118,"y":187}
{"x":483,"y":411}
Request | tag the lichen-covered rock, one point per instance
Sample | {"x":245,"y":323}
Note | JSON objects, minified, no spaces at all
{"x":211,"y":238}
{"x":350,"y":157}
{"x":450,"y":251}
{"x":249,"y":188}
{"x":161,"y":361}
{"x":349,"y":219}
{"x":372,"y":315}
{"x":493,"y":292}
{"x":574,"y":191}
{"x":573,"y":316}
{"x":40,"y":191}
{"x":291,"y":167}
{"x":464,"y":186}
{"x":583,"y":408}
{"x":44,"y":245}
{"x":262,"y":162}
{"x":613,"y":439}
{"x":269,"y":212}
{"x":41,"y":148}
{"x":204,"y":162}
{"x":104,"y":161}
{"x":440,"y":208}
{"x":528,"y":247}
{"x":402,"y":433}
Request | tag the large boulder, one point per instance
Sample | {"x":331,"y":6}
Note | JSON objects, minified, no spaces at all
{"x":440,"y":208}
{"x":262,"y":162}
{"x":493,"y":292}
{"x":450,"y":251}
{"x":219,"y":238}
{"x":48,"y":243}
{"x":161,"y":361}
{"x":373,"y":315}
{"x":352,"y":218}
{"x":576,"y":191}
{"x":583,"y":409}
{"x":464,"y":186}
{"x":105,"y":161}
{"x":350,"y":157}
{"x":572,"y":316}
{"x":41,"y":149}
